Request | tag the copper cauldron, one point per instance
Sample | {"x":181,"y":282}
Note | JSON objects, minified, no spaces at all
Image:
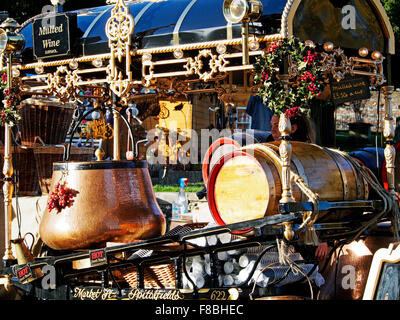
{"x":115,"y":203}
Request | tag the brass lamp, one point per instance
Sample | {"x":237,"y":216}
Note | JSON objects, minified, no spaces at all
{"x":236,"y":11}
{"x":243,"y":11}
{"x":10,"y":43}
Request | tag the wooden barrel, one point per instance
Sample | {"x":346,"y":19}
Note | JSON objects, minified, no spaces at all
{"x":225,"y":145}
{"x":215,"y":152}
{"x":246,"y":184}
{"x":115,"y":202}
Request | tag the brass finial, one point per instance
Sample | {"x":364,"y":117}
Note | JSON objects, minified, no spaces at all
{"x":288,"y":232}
{"x":99,"y":153}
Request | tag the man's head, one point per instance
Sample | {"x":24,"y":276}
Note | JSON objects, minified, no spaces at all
{"x":275,"y":127}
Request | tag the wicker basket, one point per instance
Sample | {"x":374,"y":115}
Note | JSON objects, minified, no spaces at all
{"x":45,"y":156}
{"x":44,"y":118}
{"x":155,"y":277}
{"x":23,"y":161}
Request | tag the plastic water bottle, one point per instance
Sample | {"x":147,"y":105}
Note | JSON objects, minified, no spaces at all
{"x":180,"y":204}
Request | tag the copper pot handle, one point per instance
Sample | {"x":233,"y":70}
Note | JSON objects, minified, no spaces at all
{"x":37,"y":138}
{"x":33,"y":239}
{"x":83,"y":116}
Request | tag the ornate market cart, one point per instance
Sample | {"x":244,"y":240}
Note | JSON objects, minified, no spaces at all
{"x":112,"y":242}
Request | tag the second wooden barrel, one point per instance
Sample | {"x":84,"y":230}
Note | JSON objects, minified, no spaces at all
{"x":246,"y":184}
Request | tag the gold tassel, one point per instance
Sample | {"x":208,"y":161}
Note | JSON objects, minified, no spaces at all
{"x":310,"y":236}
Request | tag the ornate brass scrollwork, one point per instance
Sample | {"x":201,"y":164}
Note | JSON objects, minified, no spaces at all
{"x":119,"y":29}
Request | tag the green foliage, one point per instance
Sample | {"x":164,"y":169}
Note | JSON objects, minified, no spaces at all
{"x":192,"y":187}
{"x":8,"y":110}
{"x":392,"y":8}
{"x":306,"y":76}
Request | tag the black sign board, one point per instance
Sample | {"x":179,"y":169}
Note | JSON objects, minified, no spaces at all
{"x":100,"y":293}
{"x":51,"y":36}
{"x":350,"y":89}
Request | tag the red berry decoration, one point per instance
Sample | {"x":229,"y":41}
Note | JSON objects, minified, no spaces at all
{"x":301,"y":64}
{"x":61,"y":197}
{"x":292,"y":112}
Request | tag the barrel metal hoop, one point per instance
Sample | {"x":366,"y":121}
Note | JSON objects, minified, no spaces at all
{"x":337,"y":162}
{"x":206,"y":170}
{"x":366,"y":189}
{"x":300,"y":171}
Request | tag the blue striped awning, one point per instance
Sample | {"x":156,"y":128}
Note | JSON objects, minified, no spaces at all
{"x":158,"y":23}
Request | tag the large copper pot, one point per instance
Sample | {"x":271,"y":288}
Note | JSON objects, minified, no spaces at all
{"x":115,"y":203}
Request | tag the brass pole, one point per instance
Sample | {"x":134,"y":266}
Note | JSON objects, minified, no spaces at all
{"x":116,"y":153}
{"x":245,"y":42}
{"x":389,"y":134}
{"x":8,"y":172}
{"x":285,"y":152}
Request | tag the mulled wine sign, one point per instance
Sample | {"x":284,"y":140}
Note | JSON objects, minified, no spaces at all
{"x":350,"y":89}
{"x":51,"y":36}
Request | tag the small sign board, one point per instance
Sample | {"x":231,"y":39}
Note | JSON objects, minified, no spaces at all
{"x":98,"y":257}
{"x":51,"y":36}
{"x":93,"y":293}
{"x":24,"y":274}
{"x":349,"y":89}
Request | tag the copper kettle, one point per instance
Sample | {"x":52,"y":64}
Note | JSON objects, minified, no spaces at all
{"x":23,"y":253}
{"x":115,"y":202}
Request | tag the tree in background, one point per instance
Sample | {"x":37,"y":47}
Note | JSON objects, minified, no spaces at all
{"x":392,"y":8}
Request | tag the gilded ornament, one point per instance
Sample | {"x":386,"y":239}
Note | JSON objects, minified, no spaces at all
{"x":119,"y":29}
